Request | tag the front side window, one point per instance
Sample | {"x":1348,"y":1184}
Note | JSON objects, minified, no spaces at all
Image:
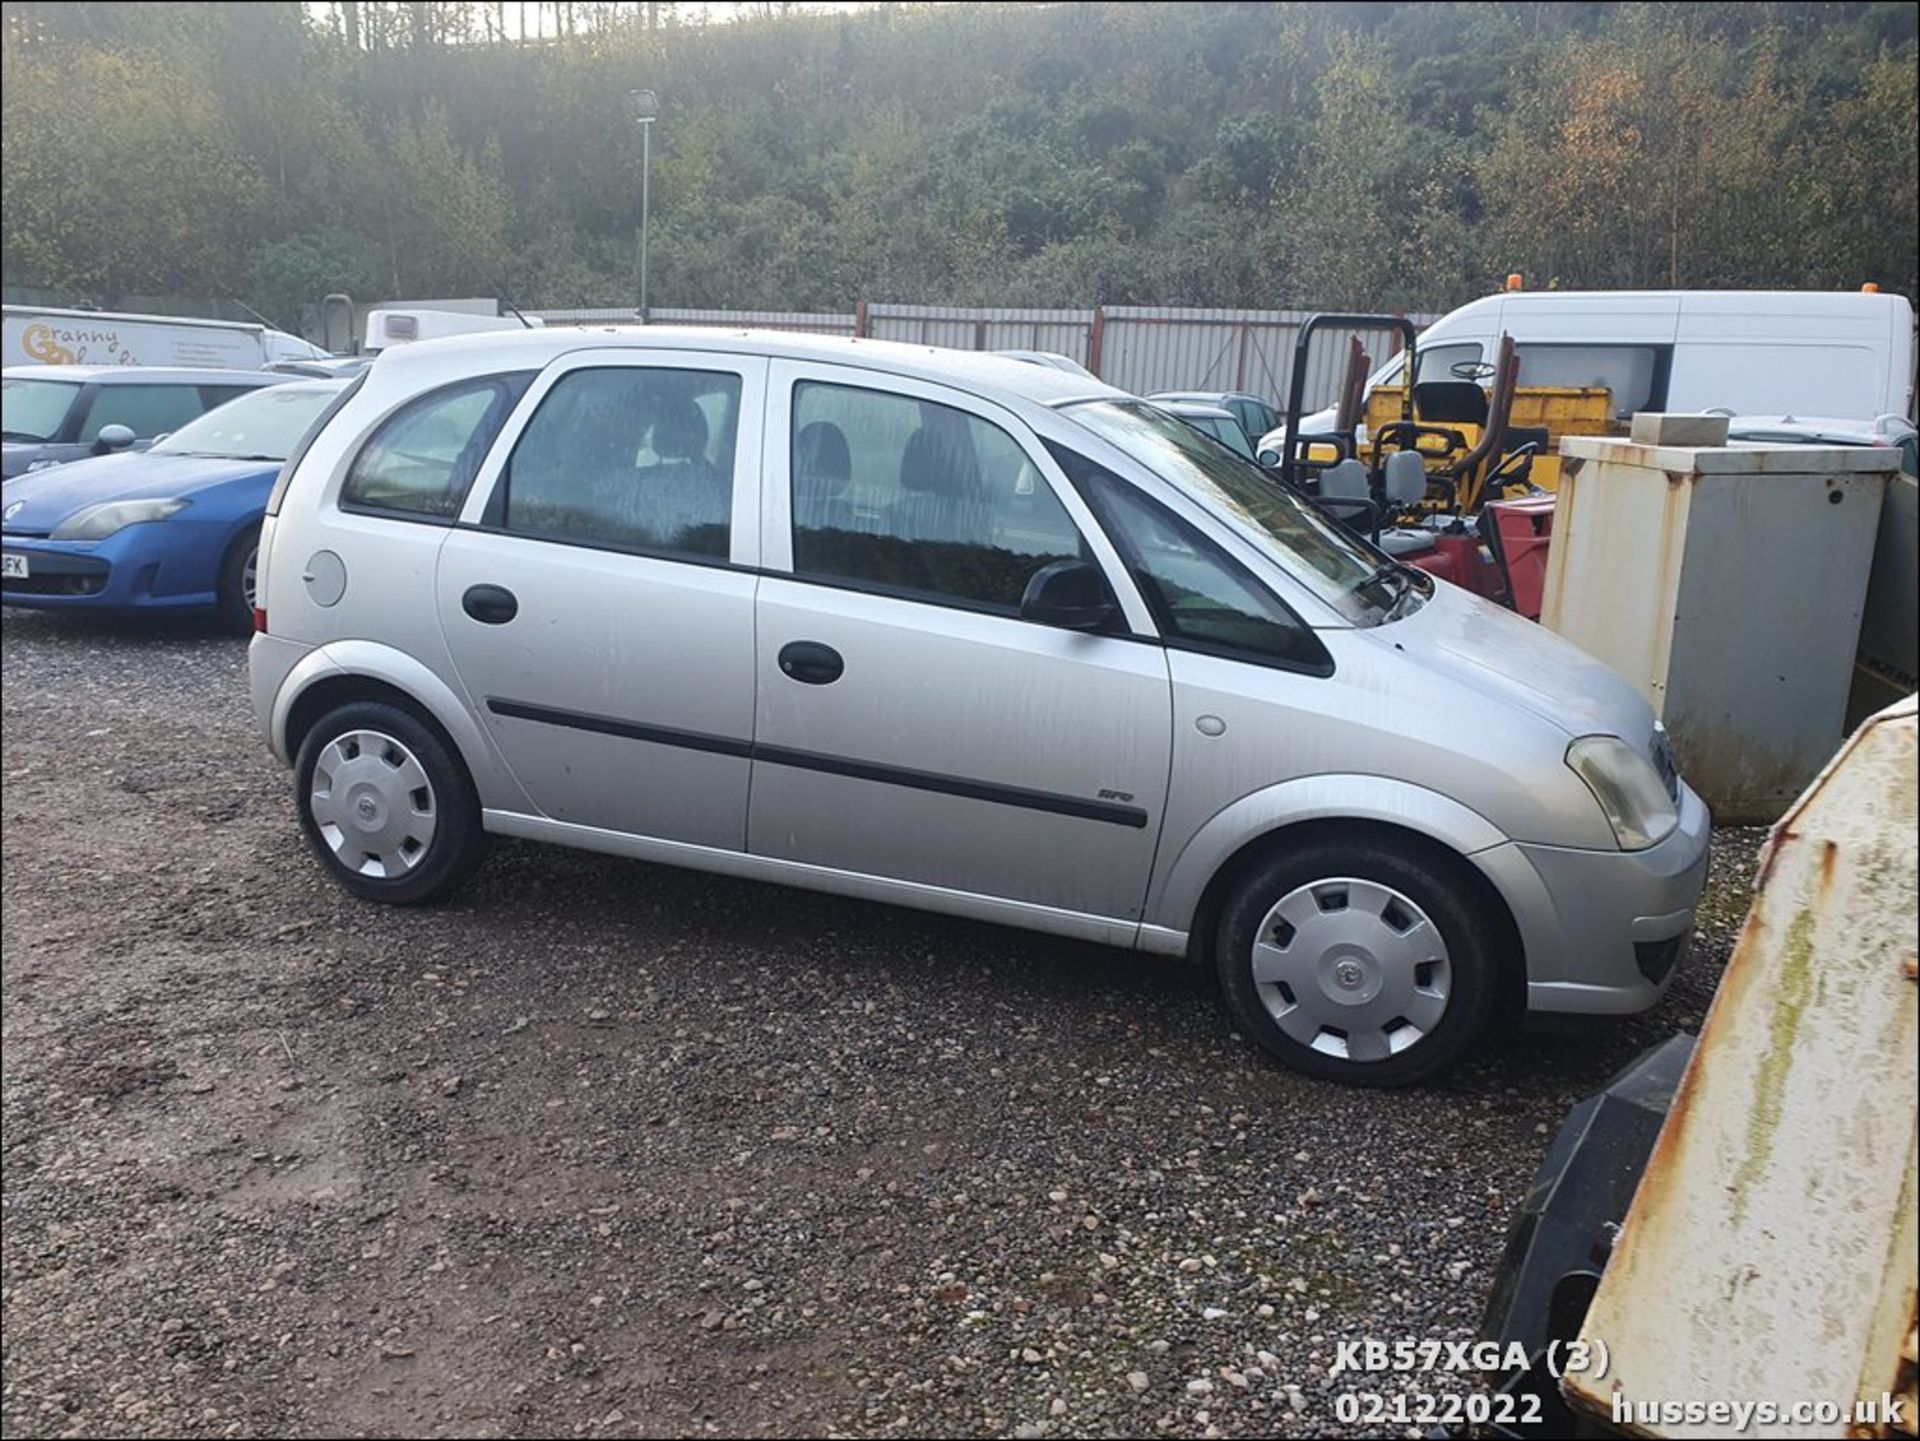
{"x":424,"y":456}
{"x":35,"y":409}
{"x":1313,"y":547}
{"x":146,"y":410}
{"x":632,"y":457}
{"x":918,"y":498}
{"x":1198,"y":594}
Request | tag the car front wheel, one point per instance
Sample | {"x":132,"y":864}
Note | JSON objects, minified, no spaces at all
{"x":386,"y":806}
{"x":1362,"y":962}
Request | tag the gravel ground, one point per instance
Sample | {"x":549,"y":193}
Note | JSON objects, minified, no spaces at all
{"x":606,"y":1149}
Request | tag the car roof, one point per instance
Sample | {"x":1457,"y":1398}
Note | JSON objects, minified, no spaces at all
{"x":1209,"y":397}
{"x":990,"y":375}
{"x":308,"y":385}
{"x":1192,"y":409}
{"x":138,"y":375}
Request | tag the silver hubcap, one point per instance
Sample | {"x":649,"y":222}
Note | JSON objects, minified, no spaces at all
{"x":373,"y":804}
{"x":1352,"y":968}
{"x":249,"y":575}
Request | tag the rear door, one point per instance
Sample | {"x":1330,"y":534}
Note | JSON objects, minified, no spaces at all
{"x":909,"y":723}
{"x":597,"y":599}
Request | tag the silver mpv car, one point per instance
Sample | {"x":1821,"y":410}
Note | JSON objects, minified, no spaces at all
{"x":956,"y":632}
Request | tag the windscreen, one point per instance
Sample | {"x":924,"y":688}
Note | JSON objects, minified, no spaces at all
{"x":261,"y":425}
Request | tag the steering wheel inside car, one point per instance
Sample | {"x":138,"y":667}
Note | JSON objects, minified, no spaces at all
{"x":1472,"y":369}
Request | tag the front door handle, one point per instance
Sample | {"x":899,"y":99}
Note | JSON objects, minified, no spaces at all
{"x":811,"y":663}
{"x":490,"y":604}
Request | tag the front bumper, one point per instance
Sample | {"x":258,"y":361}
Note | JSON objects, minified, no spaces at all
{"x":1604,"y":931}
{"x":155,"y":565}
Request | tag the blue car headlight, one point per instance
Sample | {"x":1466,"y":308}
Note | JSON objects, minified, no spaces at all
{"x":97,"y":522}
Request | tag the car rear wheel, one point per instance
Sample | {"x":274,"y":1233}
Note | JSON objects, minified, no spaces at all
{"x":239,"y":571}
{"x":1367,"y":963}
{"x":386,"y":806}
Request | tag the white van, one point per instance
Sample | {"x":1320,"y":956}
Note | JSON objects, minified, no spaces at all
{"x":38,"y":335}
{"x":401,"y":326}
{"x":1847,"y":354}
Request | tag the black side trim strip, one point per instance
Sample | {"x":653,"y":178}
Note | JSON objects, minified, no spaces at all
{"x":1107,"y":812}
{"x":607,"y":726}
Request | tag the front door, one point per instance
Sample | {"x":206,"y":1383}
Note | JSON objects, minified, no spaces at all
{"x":598,"y":597}
{"x":909,"y":723}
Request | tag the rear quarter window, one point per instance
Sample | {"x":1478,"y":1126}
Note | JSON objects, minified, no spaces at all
{"x":422,"y":458}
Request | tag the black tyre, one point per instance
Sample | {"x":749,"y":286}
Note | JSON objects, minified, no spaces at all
{"x":235,"y":592}
{"x":1359,"y":961}
{"x":386,"y":805}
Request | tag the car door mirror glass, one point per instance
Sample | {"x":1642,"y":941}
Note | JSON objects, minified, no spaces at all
{"x":1070,"y":594}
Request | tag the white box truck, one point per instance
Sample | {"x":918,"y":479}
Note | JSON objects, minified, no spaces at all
{"x":38,"y":335}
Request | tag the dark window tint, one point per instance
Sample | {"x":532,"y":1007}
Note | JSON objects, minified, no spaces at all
{"x":632,"y":457}
{"x":908,"y":495}
{"x":212,"y":395}
{"x":146,"y":410}
{"x":1198,"y":593}
{"x":424,"y":456}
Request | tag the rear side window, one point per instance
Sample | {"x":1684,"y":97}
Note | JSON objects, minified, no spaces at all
{"x":631,"y":457}
{"x":1634,"y":373}
{"x":424,"y":456}
{"x":1202,"y":599}
{"x":146,"y":410}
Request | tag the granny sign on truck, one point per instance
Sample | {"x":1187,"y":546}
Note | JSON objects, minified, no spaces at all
{"x":38,"y":336}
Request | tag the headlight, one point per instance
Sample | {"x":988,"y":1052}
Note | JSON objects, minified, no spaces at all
{"x":1628,"y":788}
{"x":97,"y":522}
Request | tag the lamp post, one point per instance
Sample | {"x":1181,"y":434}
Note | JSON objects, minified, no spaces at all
{"x":646,"y":109}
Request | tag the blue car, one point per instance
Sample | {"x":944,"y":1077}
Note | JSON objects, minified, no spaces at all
{"x":176,"y":527}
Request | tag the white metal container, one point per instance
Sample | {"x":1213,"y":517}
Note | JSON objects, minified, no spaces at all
{"x":1769,"y":1255}
{"x":1728,"y":585}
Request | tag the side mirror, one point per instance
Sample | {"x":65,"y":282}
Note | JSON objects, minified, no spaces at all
{"x":1269,"y":458}
{"x":113,"y":437}
{"x":1070,"y":594}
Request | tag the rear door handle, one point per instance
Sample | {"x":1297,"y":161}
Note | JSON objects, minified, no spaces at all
{"x":811,"y":663}
{"x":490,"y":604}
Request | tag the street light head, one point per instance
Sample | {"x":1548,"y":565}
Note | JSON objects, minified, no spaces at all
{"x":644,"y":104}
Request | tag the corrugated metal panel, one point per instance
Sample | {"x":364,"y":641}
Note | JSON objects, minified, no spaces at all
{"x":819,"y":323}
{"x":587,"y":316}
{"x":1150,"y":348}
{"x":1064,"y":332}
{"x":1138,"y":348}
{"x":813,"y":322}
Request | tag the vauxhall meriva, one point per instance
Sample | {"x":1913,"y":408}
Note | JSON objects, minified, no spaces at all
{"x":957,"y":632}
